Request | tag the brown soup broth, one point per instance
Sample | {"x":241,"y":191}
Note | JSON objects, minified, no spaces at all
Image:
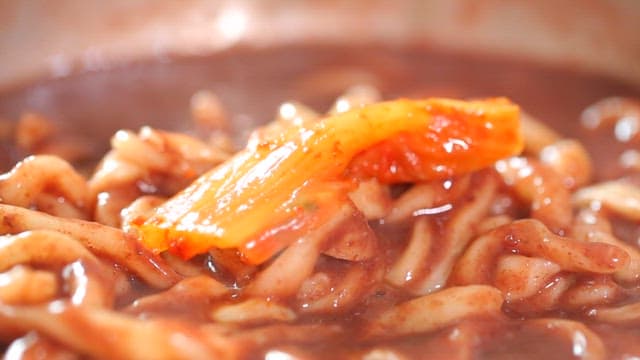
{"x":251,"y":83}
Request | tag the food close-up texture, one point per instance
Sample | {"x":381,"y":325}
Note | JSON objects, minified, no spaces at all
{"x":321,"y":201}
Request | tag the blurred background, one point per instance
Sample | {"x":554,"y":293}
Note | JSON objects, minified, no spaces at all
{"x":54,"y":38}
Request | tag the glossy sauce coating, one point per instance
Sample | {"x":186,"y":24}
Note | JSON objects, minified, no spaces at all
{"x":96,"y":104}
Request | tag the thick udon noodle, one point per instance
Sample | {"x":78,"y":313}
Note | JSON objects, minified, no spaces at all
{"x":441,"y":268}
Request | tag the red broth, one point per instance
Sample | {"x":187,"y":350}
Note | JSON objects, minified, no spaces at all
{"x":251,"y":83}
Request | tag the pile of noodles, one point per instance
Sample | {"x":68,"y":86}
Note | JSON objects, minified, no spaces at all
{"x":530,"y":246}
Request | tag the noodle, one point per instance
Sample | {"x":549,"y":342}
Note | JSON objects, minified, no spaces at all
{"x":520,"y":277}
{"x":37,"y":174}
{"x":570,"y":160}
{"x":619,"y":197}
{"x":103,"y":240}
{"x":591,"y":226}
{"x":538,"y":185}
{"x":22,"y":285}
{"x":436,"y":311}
{"x":529,"y":247}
